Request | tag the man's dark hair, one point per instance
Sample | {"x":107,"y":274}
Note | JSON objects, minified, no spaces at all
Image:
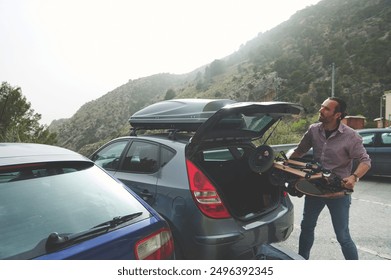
{"x":341,"y":107}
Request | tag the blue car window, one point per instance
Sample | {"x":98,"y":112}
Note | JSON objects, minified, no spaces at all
{"x":386,"y":138}
{"x":66,"y":200}
{"x":368,"y":139}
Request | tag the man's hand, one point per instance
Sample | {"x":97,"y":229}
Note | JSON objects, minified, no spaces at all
{"x":349,"y":182}
{"x":360,"y":171}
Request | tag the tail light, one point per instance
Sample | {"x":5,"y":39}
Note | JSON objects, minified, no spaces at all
{"x":157,"y":246}
{"x":205,"y":194}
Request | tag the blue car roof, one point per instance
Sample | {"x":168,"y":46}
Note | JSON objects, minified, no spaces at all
{"x":19,"y":153}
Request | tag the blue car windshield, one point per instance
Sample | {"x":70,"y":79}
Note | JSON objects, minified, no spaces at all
{"x":38,"y":200}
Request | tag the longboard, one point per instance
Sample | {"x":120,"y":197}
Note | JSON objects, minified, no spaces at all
{"x":321,"y":188}
{"x":310,"y":179}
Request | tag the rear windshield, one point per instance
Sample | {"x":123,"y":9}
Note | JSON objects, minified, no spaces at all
{"x":250,"y":122}
{"x":39,"y":199}
{"x":222,"y":154}
{"x":249,"y":126}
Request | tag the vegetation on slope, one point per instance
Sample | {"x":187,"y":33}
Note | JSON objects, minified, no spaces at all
{"x":292,"y":62}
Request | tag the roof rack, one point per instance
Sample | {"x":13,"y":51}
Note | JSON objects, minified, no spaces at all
{"x":133,"y":131}
{"x":172,"y":134}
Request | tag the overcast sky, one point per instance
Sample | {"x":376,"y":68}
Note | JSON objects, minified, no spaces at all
{"x":64,"y":53}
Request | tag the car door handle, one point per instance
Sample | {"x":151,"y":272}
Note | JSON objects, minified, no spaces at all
{"x":146,"y":193}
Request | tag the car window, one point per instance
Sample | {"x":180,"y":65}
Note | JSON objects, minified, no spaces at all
{"x":32,"y":171}
{"x":386,"y":138}
{"x":368,"y":138}
{"x":222,"y":154}
{"x":37,"y":200}
{"x":250,"y":122}
{"x":109,"y":156}
{"x":166,"y":156}
{"x":141,"y":157}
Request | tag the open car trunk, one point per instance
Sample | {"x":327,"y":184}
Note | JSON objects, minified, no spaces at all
{"x":246,"y":194}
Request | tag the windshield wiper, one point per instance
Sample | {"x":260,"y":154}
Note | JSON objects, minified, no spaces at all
{"x":56,"y":240}
{"x":118,"y":220}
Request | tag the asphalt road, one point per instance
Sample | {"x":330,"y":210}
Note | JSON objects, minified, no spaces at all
{"x":370,"y":224}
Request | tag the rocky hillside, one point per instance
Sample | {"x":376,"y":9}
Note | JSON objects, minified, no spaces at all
{"x":107,"y":116}
{"x":292,"y":62}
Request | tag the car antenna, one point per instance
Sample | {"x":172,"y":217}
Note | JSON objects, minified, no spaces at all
{"x":279,"y":120}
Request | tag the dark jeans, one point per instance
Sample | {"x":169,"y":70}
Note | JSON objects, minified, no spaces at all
{"x":339,"y":211}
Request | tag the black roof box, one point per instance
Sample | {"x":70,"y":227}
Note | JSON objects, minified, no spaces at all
{"x":180,"y":114}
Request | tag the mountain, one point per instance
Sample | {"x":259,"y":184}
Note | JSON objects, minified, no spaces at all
{"x":291,"y":62}
{"x":107,"y":116}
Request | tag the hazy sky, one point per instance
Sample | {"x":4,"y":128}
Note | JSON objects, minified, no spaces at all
{"x":64,"y":53}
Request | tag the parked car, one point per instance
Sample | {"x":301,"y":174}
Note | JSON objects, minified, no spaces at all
{"x":377,"y":142}
{"x":198,"y":172}
{"x":57,"y":204}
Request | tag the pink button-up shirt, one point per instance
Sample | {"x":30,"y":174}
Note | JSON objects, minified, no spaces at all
{"x":337,"y":152}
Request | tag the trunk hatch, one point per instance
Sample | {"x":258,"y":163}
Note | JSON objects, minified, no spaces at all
{"x":245,"y":193}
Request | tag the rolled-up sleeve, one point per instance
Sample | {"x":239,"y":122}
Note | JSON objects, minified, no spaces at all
{"x":358,"y":152}
{"x":305,"y":142}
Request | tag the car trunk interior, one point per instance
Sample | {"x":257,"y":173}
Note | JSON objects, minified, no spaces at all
{"x":247,"y":194}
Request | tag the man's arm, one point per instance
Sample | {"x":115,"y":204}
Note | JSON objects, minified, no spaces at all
{"x":304,"y":145}
{"x":360,"y":171}
{"x":296,"y":154}
{"x":358,"y":152}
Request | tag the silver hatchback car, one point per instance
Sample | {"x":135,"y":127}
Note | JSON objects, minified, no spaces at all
{"x":198,"y":172}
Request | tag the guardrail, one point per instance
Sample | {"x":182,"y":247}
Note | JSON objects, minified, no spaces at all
{"x":283,"y":147}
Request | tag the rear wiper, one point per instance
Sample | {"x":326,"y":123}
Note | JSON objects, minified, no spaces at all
{"x":118,"y":220}
{"x":56,"y":240}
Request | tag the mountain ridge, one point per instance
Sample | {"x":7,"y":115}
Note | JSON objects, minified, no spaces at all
{"x":291,"y":62}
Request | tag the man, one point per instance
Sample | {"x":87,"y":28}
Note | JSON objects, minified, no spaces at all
{"x":335,"y":145}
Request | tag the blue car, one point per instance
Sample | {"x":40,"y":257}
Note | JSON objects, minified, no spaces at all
{"x":57,"y":204}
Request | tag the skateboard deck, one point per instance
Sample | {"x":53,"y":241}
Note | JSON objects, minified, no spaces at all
{"x":308,"y":178}
{"x":321,"y":188}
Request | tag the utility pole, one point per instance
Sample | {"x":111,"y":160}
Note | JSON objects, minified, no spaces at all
{"x":332,"y":79}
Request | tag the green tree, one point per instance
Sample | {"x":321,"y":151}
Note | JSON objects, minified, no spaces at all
{"x":170,"y":94}
{"x":18,"y":121}
{"x":217,"y":67}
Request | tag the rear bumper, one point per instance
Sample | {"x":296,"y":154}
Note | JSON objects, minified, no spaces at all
{"x":242,"y":241}
{"x":276,"y":252}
